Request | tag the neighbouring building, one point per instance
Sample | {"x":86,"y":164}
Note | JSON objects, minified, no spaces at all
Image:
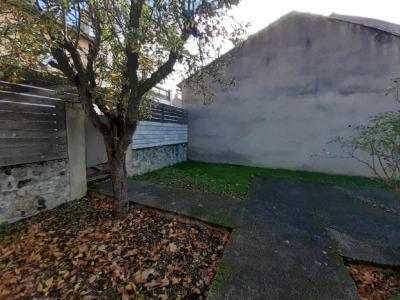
{"x":299,"y":83}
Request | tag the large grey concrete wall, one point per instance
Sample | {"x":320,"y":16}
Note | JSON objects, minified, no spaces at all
{"x":299,"y":83}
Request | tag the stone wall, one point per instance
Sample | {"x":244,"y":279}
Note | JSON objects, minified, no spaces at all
{"x":27,"y":189}
{"x":141,"y":161}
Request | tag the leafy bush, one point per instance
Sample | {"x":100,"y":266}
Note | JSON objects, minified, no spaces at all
{"x":380,"y":140}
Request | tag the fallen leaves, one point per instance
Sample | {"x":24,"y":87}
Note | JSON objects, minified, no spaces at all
{"x":172,"y":247}
{"x":130,"y":287}
{"x":80,"y":251}
{"x":141,"y":276}
{"x":374,"y":283}
{"x":44,"y":287}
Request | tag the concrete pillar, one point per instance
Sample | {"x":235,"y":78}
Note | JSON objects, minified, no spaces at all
{"x":75,"y":119}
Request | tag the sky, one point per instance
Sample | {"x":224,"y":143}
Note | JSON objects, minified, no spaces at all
{"x":260,"y":13}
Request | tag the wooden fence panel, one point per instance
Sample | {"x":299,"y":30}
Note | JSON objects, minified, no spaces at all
{"x":34,"y":91}
{"x":152,"y":134}
{"x":168,"y":114}
{"x":32,"y":126}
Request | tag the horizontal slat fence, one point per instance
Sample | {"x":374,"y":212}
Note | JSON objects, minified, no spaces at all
{"x":32,"y":125}
{"x":153,"y":134}
{"x":168,"y":114}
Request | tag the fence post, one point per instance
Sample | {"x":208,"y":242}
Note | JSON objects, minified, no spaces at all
{"x":75,"y":121}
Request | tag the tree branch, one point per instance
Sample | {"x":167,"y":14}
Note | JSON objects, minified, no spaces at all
{"x":94,"y":47}
{"x":132,"y":51}
{"x":62,"y":64}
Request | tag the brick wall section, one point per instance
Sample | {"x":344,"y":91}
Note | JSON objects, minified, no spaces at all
{"x":27,"y":189}
{"x":141,"y":161}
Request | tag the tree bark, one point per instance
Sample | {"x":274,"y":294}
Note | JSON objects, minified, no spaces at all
{"x":120,"y":186}
{"x":116,"y":152}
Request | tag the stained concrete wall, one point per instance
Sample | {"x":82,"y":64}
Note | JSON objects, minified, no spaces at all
{"x":298,"y":84}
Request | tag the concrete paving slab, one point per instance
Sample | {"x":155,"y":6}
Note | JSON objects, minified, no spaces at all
{"x":286,"y":237}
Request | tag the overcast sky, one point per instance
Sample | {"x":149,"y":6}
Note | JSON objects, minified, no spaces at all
{"x":260,"y":13}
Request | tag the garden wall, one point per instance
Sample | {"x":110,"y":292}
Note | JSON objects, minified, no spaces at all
{"x":42,"y":151}
{"x":141,"y":161}
{"x":157,"y":143}
{"x":30,"y":188}
{"x":298,"y":84}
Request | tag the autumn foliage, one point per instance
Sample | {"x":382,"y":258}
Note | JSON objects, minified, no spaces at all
{"x":375,"y":283}
{"x":79,"y":251}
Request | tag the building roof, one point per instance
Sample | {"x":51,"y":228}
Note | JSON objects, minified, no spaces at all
{"x":387,"y":27}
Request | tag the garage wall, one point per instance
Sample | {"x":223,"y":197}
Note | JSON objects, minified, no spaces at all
{"x":298,"y":84}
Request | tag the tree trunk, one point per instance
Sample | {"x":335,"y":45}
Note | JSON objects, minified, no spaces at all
{"x":116,"y":153}
{"x":119,"y":183}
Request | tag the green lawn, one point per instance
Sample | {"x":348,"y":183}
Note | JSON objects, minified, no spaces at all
{"x":233,"y":181}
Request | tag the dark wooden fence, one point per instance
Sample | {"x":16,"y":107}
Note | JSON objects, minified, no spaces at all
{"x":168,"y":114}
{"x":32,"y":125}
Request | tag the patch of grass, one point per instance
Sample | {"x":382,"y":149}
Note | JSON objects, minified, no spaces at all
{"x":5,"y":227}
{"x":233,"y":181}
{"x":198,"y":211}
{"x":224,"y":222}
{"x":219,"y":277}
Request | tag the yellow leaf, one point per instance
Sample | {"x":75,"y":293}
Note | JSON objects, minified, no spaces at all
{"x":92,"y":278}
{"x":40,"y":287}
{"x":102,"y":248}
{"x":163,"y":297}
{"x":172,"y":247}
{"x":49,"y":282}
{"x":130,"y":287}
{"x":46,"y":286}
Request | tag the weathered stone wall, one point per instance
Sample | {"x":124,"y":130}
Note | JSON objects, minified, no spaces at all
{"x":27,"y":189}
{"x":141,"y":161}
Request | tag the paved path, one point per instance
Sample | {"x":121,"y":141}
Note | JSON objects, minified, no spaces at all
{"x":288,"y":236}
